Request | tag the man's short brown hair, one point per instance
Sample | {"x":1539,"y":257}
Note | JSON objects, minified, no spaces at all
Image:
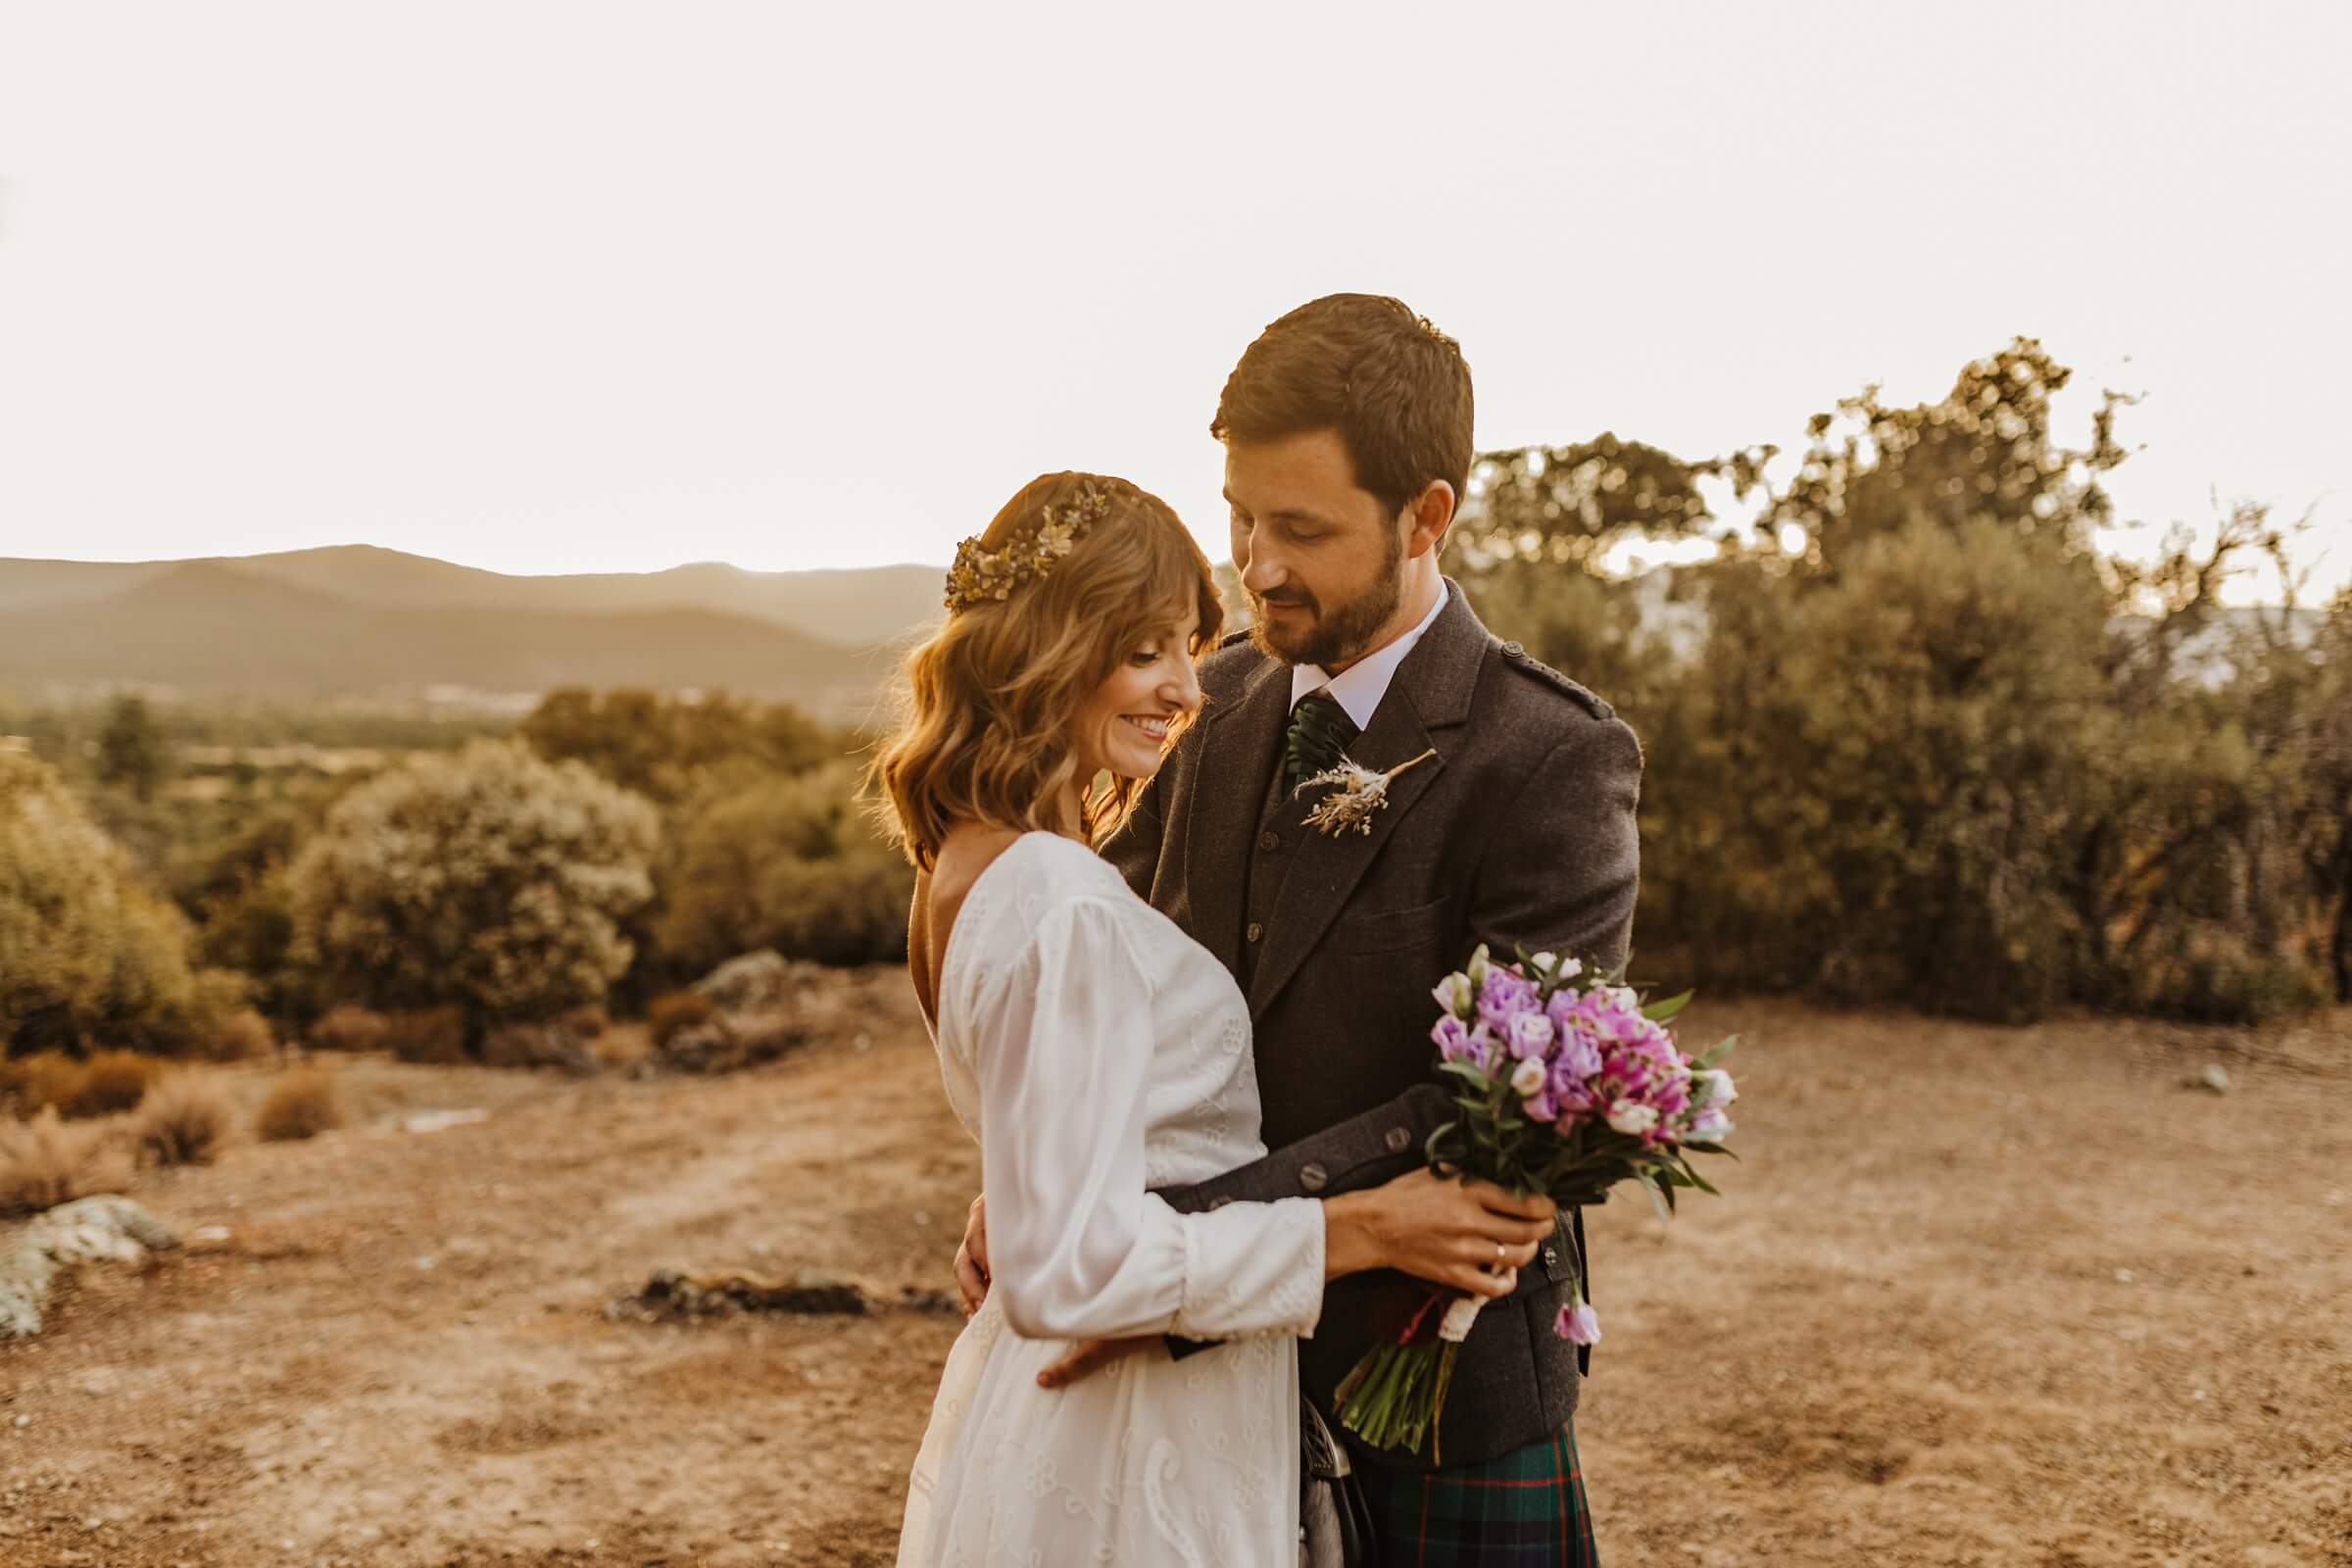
{"x":1394,"y":389}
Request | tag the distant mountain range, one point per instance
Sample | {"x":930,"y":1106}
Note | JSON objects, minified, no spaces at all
{"x":356,"y":621}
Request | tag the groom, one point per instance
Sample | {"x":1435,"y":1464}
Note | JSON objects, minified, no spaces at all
{"x":1346,"y":430}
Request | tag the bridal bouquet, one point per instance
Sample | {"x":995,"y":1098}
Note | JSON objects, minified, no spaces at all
{"x":1565,"y":1089}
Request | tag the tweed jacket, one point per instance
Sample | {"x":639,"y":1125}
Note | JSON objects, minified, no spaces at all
{"x":1520,"y":830}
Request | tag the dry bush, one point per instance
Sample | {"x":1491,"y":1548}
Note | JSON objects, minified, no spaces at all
{"x":304,"y":1103}
{"x":623,"y":1048}
{"x":345,"y":1027}
{"x":587,"y":1020}
{"x":111,"y":1080}
{"x":244,"y":1036}
{"x":667,"y":1014}
{"x":43,"y":1163}
{"x":45,"y":1078}
{"x":185,"y":1121}
{"x":434,"y":1036}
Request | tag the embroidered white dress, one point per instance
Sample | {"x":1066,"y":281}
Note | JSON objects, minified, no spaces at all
{"x":1095,"y":1050}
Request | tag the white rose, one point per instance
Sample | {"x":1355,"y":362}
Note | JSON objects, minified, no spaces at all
{"x":1713,"y":1087}
{"x":1633,"y":1119}
{"x":1543,"y":962}
{"x":1453,"y":994}
{"x":1709,"y":1126}
{"x":1528,"y":1078}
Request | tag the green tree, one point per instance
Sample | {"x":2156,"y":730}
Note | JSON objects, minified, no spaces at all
{"x":131,"y":748}
{"x":85,"y":950}
{"x":1986,"y":452}
{"x":667,"y":748}
{"x":789,"y":864}
{"x":492,"y":880}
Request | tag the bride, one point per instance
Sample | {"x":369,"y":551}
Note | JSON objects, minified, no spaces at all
{"x":1097,"y":1052}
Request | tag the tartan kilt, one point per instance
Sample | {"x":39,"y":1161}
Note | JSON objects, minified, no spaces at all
{"x":1526,"y":1509}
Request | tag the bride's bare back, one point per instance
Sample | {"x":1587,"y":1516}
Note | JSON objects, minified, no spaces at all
{"x":939,"y":894}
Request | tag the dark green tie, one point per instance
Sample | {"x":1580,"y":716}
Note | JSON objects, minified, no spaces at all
{"x":1320,"y":732}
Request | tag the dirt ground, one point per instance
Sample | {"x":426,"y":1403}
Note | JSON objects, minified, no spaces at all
{"x":1974,"y":1297}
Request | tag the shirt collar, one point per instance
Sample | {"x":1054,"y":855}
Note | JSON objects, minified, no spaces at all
{"x":1359,"y":687}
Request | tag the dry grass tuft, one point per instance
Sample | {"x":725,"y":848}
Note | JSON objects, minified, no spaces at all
{"x":111,"y":1080}
{"x":186,"y":1119}
{"x":43,"y":1163}
{"x":45,"y":1078}
{"x":588,"y":1020}
{"x":622,"y":1048}
{"x":434,"y":1036}
{"x":304,"y":1103}
{"x":246,"y":1036}
{"x":676,"y":1011}
{"x":345,"y":1027}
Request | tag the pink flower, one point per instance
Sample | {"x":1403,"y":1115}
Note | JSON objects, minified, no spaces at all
{"x":1577,"y":1322}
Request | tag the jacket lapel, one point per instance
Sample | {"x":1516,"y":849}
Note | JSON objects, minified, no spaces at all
{"x":1429,"y":697}
{"x":1238,"y":751}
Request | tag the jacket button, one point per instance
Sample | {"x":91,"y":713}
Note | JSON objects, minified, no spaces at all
{"x":1269,"y":841}
{"x":1513,"y":651}
{"x":1552,"y":1256}
{"x":1255,"y":932}
{"x":1399,"y":1137}
{"x":1314,"y":1178}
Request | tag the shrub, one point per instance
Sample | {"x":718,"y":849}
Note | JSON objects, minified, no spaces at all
{"x":184,"y":1120}
{"x":679,"y":1009}
{"x":45,"y":1078}
{"x":432,"y":1036}
{"x":111,"y":1080}
{"x":244,"y":1036}
{"x":344,"y":1027}
{"x":490,"y":880}
{"x":789,"y":863}
{"x":43,"y":1163}
{"x":303,"y":1103}
{"x":85,"y":948}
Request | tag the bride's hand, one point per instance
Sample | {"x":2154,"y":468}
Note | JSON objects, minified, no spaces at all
{"x":1471,"y":1235}
{"x":971,"y":1258}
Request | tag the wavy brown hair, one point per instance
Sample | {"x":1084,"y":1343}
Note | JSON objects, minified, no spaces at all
{"x":986,"y":703}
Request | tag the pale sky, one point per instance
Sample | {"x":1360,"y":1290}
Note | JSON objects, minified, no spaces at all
{"x":562,"y":287}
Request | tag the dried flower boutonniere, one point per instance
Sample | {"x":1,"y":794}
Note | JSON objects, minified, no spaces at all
{"x":1359,"y":792}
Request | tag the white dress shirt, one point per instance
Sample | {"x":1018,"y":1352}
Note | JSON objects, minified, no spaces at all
{"x":1359,"y":687}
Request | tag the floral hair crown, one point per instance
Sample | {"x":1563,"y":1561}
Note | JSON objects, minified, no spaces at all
{"x":980,"y":577}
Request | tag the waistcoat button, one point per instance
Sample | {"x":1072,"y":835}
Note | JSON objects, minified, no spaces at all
{"x":1255,"y":931}
{"x":1269,"y":841}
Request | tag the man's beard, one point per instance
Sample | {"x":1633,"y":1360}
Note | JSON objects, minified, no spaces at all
{"x":1343,"y":633}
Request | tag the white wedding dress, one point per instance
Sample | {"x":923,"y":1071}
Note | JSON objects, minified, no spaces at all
{"x":1095,"y":1050}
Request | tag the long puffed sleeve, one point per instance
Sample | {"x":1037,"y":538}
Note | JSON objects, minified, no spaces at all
{"x":1077,"y":1248}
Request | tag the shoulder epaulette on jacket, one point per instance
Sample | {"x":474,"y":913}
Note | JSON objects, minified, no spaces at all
{"x":1515,"y":657}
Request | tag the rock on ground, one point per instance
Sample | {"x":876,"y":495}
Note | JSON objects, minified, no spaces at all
{"x":103,"y":1229}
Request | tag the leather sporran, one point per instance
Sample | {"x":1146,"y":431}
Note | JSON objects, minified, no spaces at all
{"x":1335,"y":1522}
